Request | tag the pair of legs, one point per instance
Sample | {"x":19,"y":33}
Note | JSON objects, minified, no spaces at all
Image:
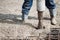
{"x":41,"y":8}
{"x":50,"y":4}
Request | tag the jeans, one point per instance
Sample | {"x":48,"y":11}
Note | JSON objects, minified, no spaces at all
{"x":26,"y":6}
{"x":50,"y":4}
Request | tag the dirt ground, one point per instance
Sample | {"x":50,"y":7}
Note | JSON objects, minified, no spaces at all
{"x":12,"y":28}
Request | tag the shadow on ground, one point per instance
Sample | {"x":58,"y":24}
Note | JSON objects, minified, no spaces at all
{"x":6,"y":17}
{"x":12,"y":19}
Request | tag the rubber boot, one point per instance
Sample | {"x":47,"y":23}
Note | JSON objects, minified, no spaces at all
{"x":40,"y":17}
{"x":53,"y":16}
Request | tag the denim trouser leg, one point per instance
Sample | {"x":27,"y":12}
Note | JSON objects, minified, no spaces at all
{"x":50,"y":4}
{"x":26,"y":6}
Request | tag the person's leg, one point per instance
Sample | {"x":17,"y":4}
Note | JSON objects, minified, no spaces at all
{"x":40,"y":18}
{"x":26,"y":8}
{"x":53,"y":16}
{"x":52,"y":9}
{"x":40,"y":9}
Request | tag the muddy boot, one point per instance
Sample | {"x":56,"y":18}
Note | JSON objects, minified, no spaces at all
{"x":53,"y":16}
{"x":40,"y":17}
